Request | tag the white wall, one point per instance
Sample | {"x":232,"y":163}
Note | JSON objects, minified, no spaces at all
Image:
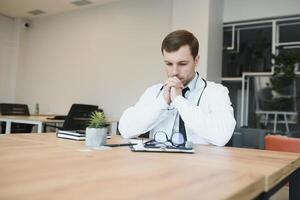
{"x":237,"y":10}
{"x":193,"y":16}
{"x":215,"y":40}
{"x":204,"y":18}
{"x":7,"y":72}
{"x":106,"y":55}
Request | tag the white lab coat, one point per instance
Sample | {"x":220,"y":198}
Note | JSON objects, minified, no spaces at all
{"x":212,"y":122}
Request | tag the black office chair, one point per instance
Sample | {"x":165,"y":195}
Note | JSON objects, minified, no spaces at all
{"x":78,"y":117}
{"x":295,"y":134}
{"x":15,"y":109}
{"x":249,"y":138}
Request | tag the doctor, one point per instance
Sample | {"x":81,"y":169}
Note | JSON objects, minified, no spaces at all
{"x":185,"y":103}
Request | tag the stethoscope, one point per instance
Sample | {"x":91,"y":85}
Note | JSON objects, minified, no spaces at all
{"x":205,"y":84}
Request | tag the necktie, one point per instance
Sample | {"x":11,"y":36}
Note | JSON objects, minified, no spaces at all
{"x":181,"y":122}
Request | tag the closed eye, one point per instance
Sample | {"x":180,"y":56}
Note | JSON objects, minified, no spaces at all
{"x":169,"y":64}
{"x":183,"y":63}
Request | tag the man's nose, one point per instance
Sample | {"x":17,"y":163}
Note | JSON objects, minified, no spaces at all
{"x":174,"y":70}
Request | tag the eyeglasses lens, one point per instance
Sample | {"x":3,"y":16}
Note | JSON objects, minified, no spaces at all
{"x":177,"y":138}
{"x":160,"y":137}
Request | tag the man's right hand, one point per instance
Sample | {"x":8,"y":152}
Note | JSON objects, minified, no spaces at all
{"x":167,"y":93}
{"x":172,"y":82}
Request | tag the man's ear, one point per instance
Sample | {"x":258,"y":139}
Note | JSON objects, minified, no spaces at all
{"x":197,"y":58}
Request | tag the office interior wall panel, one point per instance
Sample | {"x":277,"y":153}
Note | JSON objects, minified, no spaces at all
{"x":105,"y":55}
{"x":204,"y":18}
{"x":215,"y":40}
{"x":6,"y":47}
{"x":193,"y":16}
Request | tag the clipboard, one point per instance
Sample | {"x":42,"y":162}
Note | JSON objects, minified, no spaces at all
{"x":139,"y":147}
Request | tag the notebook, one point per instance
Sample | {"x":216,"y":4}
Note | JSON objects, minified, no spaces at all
{"x":139,"y":147}
{"x":78,"y":135}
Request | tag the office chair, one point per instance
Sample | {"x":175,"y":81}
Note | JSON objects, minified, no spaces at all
{"x":249,"y":138}
{"x":295,"y":134}
{"x":78,"y":117}
{"x":15,"y":109}
{"x":282,"y":143}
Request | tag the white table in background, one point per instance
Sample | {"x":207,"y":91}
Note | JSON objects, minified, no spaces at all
{"x":35,"y":120}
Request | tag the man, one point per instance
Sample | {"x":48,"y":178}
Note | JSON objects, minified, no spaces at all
{"x":203,"y":114}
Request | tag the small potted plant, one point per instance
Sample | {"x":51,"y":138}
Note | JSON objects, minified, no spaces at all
{"x":96,"y":132}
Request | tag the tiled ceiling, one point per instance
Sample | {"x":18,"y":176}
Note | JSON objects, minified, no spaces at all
{"x":25,"y":8}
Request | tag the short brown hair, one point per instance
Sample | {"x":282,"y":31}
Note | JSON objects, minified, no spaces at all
{"x":176,"y":39}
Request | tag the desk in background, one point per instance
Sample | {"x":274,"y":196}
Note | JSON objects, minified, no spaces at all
{"x":35,"y":120}
{"x":64,"y":169}
{"x":40,"y":121}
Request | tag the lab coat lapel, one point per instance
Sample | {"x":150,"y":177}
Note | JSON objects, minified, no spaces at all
{"x":195,"y":94}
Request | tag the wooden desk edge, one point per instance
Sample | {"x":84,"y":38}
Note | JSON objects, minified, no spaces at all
{"x":251,"y":192}
{"x":293,"y":166}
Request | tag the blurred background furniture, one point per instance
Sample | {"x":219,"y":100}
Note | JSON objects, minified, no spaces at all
{"x":15,"y":110}
{"x":295,"y":134}
{"x":249,"y":138}
{"x":282,"y":143}
{"x":275,"y":101}
{"x":78,"y":117}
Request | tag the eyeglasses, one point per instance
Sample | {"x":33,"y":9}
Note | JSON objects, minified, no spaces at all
{"x":161,"y":140}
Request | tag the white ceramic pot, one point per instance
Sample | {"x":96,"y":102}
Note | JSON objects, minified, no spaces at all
{"x":95,"y":137}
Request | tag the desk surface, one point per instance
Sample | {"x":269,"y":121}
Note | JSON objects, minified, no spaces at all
{"x":273,"y":165}
{"x":42,"y":166}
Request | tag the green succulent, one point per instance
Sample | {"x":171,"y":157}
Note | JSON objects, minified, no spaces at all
{"x":97,"y":120}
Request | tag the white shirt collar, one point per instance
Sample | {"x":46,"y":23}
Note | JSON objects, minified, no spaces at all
{"x":192,"y":83}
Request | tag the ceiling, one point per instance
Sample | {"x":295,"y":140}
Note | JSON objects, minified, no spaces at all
{"x":20,"y":8}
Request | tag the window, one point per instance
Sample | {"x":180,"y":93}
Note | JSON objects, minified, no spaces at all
{"x":248,"y":46}
{"x":289,"y":31}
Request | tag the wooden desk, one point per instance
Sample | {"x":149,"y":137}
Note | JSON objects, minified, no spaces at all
{"x":41,"y":166}
{"x":35,"y":120}
{"x":277,"y":167}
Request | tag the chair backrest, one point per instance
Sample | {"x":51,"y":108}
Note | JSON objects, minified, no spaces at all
{"x":78,"y":116}
{"x":15,"y":109}
{"x":282,"y":143}
{"x":249,"y":138}
{"x":295,"y":134}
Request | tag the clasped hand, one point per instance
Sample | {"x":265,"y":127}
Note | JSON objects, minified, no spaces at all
{"x":173,"y":88}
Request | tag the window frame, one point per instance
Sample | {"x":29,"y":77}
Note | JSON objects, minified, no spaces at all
{"x":275,"y":23}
